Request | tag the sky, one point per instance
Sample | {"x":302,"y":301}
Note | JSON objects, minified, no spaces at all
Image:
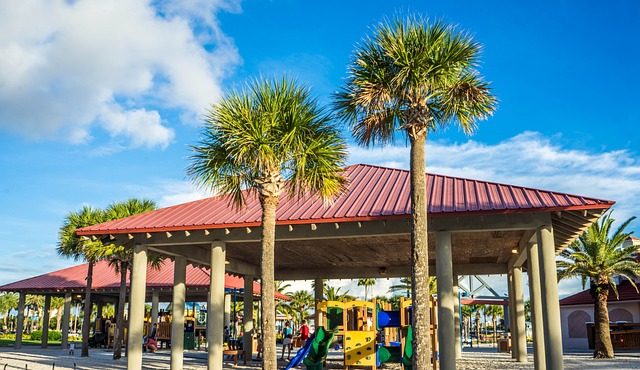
{"x":100,"y":100}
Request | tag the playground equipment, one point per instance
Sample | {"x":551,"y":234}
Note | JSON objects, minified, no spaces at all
{"x":371,"y":335}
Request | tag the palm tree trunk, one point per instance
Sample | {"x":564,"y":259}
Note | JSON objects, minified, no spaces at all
{"x":86,"y":323}
{"x":58,"y":318}
{"x":495,"y":323}
{"x":603,"y":347}
{"x":267,"y":287}
{"x":117,"y":342}
{"x":420,"y":255}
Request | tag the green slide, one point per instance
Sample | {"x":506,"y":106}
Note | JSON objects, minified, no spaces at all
{"x":407,"y":357}
{"x":319,"y":349}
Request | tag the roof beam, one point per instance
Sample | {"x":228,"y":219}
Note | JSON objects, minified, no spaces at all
{"x":202,"y":256}
{"x":384,"y":272}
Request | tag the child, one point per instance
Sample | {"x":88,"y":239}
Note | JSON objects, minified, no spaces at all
{"x":72,"y":348}
{"x":287,"y":339}
{"x":259,"y":338}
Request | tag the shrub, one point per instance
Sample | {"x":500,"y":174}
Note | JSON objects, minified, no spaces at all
{"x":36,"y":335}
{"x":52,"y":336}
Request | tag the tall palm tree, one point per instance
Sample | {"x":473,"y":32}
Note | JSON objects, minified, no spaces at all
{"x":72,"y":246}
{"x":254,"y":142}
{"x":121,"y":259}
{"x":366,"y":283}
{"x":416,"y":77}
{"x":599,"y":255}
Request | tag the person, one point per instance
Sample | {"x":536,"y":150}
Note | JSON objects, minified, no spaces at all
{"x":260,"y":345}
{"x":227,"y":336}
{"x":72,"y":349}
{"x":154,"y":331}
{"x":287,"y":339}
{"x":151,"y":345}
{"x":303,"y":334}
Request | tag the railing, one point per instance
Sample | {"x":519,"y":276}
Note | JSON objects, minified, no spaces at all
{"x":623,"y":335}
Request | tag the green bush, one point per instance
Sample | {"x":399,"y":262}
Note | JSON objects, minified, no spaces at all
{"x":53,"y":335}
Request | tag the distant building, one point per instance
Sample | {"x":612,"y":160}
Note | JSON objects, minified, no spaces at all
{"x":577,"y":310}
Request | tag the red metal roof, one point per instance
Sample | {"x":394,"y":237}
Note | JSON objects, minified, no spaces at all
{"x":372,"y":192}
{"x":105,"y":277}
{"x":626,"y":292}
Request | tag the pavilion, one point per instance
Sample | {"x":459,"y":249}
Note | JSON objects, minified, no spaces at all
{"x":475,"y":228}
{"x":71,"y":283}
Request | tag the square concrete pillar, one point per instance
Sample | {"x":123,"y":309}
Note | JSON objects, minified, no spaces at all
{"x":446,"y":326}
{"x":535,"y":296}
{"x":136,"y":307}
{"x":215,"y":307}
{"x":177,"y":323}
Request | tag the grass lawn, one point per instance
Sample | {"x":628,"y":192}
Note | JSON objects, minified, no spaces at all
{"x":5,"y":342}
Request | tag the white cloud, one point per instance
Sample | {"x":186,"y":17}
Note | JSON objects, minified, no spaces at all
{"x":68,"y":66}
{"x":528,"y":159}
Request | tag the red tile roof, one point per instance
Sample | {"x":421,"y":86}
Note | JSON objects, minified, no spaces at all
{"x":105,"y":277}
{"x":626,"y":292}
{"x":372,"y":192}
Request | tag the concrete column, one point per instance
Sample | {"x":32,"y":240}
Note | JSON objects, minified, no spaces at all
{"x":519,"y":320}
{"x":512,"y":316}
{"x":45,"y":321}
{"x":227,"y":310}
{"x":247,"y":322}
{"x":66,"y":314}
{"x":215,"y":317}
{"x":446,"y":326}
{"x":535,"y":296}
{"x":136,"y":307}
{"x":318,"y":293}
{"x":456,"y":317}
{"x":155,"y":301}
{"x":177,"y":323}
{"x":550,"y":302}
{"x":20,"y":320}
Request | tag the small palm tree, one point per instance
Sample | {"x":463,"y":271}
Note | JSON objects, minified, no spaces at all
{"x":415,"y":77}
{"x":57,"y":304}
{"x":72,"y":246}
{"x":254,"y":142}
{"x":8,"y":301}
{"x":494,"y":311}
{"x":301,"y":300}
{"x":598,"y":256}
{"x":121,"y":259}
{"x":332,"y":293}
{"x":366,"y":283}
{"x":404,"y":286}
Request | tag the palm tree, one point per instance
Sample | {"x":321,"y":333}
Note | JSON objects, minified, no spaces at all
{"x":366,"y":283}
{"x":416,"y":77}
{"x":494,"y":311}
{"x":121,"y":259}
{"x":57,"y":304}
{"x":404,"y":286}
{"x":301,"y":300}
{"x":8,"y":301}
{"x":73,"y":246}
{"x":599,"y":255}
{"x":332,"y":293}
{"x":34,"y":303}
{"x":255,"y":141}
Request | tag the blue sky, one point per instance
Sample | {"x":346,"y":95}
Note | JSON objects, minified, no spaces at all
{"x":100,"y":100}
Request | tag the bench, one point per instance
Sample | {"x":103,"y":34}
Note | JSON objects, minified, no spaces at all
{"x":235,"y":353}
